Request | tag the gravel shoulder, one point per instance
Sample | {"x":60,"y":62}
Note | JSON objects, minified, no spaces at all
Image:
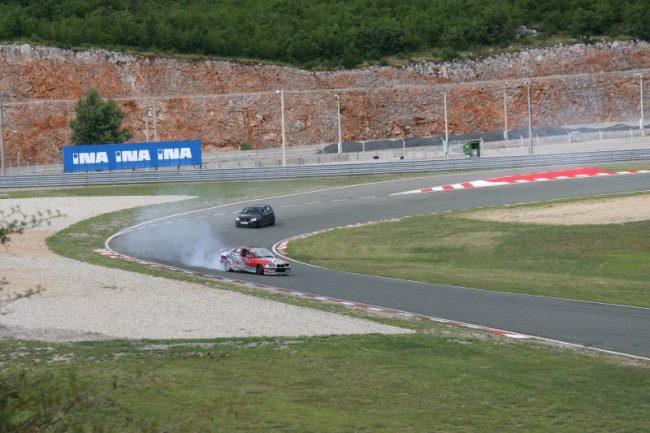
{"x":616,"y":210}
{"x":88,"y":302}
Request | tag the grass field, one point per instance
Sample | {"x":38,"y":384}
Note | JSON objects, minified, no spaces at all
{"x":425,"y":382}
{"x":604,"y":263}
{"x":440,"y":379}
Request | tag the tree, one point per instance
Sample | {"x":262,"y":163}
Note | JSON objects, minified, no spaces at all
{"x":98,"y":121}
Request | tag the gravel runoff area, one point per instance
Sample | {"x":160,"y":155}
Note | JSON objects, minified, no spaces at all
{"x":88,"y":302}
{"x":617,"y":210}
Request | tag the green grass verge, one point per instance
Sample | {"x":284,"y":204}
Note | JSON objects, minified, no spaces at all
{"x":604,"y":263}
{"x":402,"y":383}
{"x":640,"y":165}
{"x":217,"y":192}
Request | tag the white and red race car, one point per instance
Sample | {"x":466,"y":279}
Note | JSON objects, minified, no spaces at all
{"x":253,"y":259}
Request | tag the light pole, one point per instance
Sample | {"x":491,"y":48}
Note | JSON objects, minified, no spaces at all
{"x":339,"y":147}
{"x":446,"y":147}
{"x":284,"y":137}
{"x":642,"y":120}
{"x":505,"y":115}
{"x":530,"y":120}
{"x":155,"y":130}
{"x":147,"y":113}
{"x":3,"y":168}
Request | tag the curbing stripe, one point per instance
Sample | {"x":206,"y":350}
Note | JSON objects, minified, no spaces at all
{"x":579,"y":173}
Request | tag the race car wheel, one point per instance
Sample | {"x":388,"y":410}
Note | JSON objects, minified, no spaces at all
{"x":259,"y":270}
{"x":227,"y":266}
{"x":272,"y":223}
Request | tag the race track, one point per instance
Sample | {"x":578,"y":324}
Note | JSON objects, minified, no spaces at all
{"x":176,"y":240}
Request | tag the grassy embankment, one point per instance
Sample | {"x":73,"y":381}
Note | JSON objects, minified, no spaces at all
{"x":440,"y":379}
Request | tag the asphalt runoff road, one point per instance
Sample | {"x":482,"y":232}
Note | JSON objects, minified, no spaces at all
{"x":178,"y":240}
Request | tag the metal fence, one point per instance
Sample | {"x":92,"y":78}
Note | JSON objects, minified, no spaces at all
{"x":410,"y":148}
{"x":301,"y":171}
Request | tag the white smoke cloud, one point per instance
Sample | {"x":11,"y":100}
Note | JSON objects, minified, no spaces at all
{"x":189,"y":239}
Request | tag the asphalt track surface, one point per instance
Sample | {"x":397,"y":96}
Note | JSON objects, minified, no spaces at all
{"x":615,"y":328}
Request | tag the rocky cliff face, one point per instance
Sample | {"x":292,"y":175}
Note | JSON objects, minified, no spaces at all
{"x":226,"y":104}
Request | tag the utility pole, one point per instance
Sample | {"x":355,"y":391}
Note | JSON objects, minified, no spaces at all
{"x":147,"y":113}
{"x":3,"y":168}
{"x":505,"y":115}
{"x":444,"y":95}
{"x":155,"y":114}
{"x":642,"y":120}
{"x":530,"y":121}
{"x":284,"y":136}
{"x":339,"y":147}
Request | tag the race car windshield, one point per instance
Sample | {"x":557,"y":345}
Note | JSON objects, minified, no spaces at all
{"x":252,"y":210}
{"x":261,"y":252}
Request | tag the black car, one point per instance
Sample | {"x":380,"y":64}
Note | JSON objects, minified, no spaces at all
{"x":255,"y":216}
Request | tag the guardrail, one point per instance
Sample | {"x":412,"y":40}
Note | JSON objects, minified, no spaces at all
{"x":322,"y":170}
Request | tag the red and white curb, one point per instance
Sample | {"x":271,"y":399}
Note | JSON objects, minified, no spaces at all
{"x":355,"y":305}
{"x":281,"y":249}
{"x":577,"y":173}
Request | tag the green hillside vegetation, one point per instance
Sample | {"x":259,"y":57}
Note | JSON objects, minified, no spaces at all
{"x":318,"y":33}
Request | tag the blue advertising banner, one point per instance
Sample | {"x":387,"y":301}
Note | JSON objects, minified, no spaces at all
{"x":131,"y":155}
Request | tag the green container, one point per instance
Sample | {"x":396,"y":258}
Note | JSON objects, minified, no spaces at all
{"x":472,"y":148}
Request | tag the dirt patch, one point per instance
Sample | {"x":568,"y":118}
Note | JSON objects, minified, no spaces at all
{"x":598,"y":211}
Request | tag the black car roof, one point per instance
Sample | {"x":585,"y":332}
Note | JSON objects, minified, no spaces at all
{"x":257,"y":206}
